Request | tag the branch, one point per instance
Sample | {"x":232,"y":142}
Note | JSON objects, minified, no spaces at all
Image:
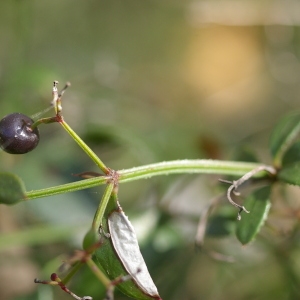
{"x":198,"y":166}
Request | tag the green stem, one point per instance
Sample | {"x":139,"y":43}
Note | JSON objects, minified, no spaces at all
{"x":99,"y":274}
{"x":66,"y":188}
{"x":85,"y":147}
{"x":102,"y":206}
{"x":44,"y":121}
{"x":72,"y":272}
{"x":198,"y":166}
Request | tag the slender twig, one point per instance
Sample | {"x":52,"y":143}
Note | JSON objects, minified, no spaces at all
{"x":56,"y":102}
{"x":203,"y":220}
{"x":55,"y":280}
{"x":237,"y":183}
{"x":102,"y":206}
{"x":84,"y":147}
{"x":201,"y":231}
{"x":99,"y":274}
{"x":197,"y":166}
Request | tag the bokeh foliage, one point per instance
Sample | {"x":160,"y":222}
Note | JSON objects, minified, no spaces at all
{"x":150,"y":83}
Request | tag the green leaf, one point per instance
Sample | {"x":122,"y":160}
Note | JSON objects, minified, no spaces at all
{"x":12,"y":189}
{"x":290,"y":174}
{"x":107,"y":259}
{"x":290,"y":171}
{"x":258,"y":203}
{"x":284,"y":135}
{"x":221,"y":226}
{"x":292,"y":155}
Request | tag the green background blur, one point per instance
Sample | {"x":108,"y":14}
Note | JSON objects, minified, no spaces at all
{"x":151,"y":81}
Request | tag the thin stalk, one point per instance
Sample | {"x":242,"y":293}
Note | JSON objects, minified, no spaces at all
{"x":66,"y":188}
{"x":99,"y":274}
{"x":85,"y":147}
{"x":72,"y":272}
{"x":102,"y":206}
{"x":198,"y":166}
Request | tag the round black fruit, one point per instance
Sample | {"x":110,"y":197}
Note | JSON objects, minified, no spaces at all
{"x":16,"y":135}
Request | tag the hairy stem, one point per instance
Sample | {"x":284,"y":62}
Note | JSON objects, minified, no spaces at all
{"x":198,"y":166}
{"x":85,"y":147}
{"x":102,"y":206}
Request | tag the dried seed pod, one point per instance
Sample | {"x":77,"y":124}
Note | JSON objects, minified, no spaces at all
{"x":125,"y":243}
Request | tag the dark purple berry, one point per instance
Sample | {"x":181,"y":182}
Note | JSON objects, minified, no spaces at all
{"x":16,"y":135}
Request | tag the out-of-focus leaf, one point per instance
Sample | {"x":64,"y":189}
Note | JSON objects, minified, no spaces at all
{"x":283,"y":136}
{"x":12,"y":189}
{"x":292,"y":155}
{"x":100,"y":137}
{"x":258,"y":203}
{"x":220,"y":226}
{"x":290,"y":174}
{"x":109,"y":261}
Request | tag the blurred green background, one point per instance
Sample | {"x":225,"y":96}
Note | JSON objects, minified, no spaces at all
{"x":151,"y":81}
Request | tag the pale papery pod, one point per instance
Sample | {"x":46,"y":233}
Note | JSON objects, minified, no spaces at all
{"x":125,"y":243}
{"x":120,"y":255}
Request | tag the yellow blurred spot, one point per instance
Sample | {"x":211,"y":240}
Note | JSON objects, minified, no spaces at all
{"x":223,"y":65}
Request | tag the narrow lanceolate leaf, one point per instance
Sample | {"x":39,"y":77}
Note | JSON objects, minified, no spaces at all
{"x":120,"y":255}
{"x":290,"y":170}
{"x":284,"y":135}
{"x":258,"y":203}
{"x":12,"y":189}
{"x":292,"y":155}
{"x":290,"y":174}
